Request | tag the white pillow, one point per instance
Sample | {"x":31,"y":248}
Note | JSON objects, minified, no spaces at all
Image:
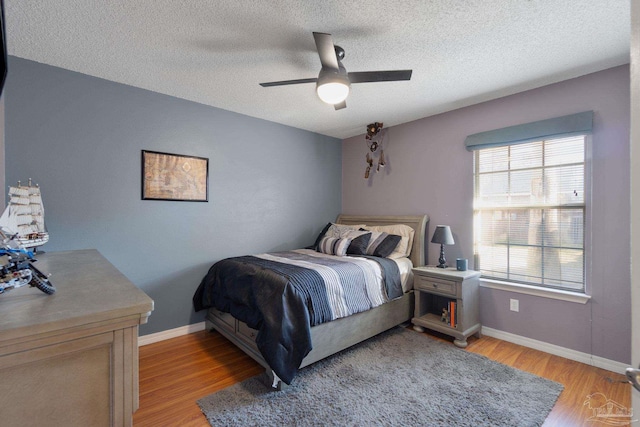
{"x":341,"y":230}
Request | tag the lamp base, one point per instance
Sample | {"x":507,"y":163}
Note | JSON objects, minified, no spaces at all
{"x":442,"y":262}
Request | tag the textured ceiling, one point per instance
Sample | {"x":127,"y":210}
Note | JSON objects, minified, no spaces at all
{"x":216,"y":52}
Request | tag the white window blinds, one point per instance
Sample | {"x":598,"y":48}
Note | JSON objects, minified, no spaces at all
{"x":529,"y":212}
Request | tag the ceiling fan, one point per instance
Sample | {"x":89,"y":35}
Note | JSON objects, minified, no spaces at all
{"x":334,"y":82}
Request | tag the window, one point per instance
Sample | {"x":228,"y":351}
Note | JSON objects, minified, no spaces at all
{"x":529,"y":212}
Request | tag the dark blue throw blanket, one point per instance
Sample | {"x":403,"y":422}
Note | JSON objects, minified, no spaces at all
{"x":280,"y":300}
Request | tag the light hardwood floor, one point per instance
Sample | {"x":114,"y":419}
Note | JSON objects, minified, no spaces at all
{"x":175,"y":373}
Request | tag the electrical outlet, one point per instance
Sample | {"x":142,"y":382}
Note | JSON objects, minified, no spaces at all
{"x":514,"y":305}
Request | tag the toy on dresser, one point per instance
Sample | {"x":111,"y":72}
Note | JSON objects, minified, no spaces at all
{"x":17,"y":269}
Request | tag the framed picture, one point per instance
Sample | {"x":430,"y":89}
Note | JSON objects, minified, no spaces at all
{"x":168,"y":176}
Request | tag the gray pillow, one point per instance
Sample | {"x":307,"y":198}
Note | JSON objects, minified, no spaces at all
{"x":359,"y":243}
{"x":382,"y":244}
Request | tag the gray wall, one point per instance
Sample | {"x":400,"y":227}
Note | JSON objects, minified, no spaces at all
{"x":271,"y":187}
{"x":430,"y":171}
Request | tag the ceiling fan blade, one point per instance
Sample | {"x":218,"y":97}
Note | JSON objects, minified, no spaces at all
{"x":326,"y":50}
{"x":379,"y":76}
{"x":340,"y":106}
{"x":289,"y":82}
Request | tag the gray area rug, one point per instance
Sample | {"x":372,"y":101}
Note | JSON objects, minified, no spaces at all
{"x":399,"y":378}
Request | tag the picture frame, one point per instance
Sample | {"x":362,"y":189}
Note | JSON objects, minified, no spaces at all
{"x":174,"y":177}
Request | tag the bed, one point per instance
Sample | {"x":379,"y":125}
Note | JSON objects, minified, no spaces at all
{"x":324,"y":339}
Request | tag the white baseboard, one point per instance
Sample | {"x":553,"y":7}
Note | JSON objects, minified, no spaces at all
{"x":170,"y":333}
{"x":567,"y":353}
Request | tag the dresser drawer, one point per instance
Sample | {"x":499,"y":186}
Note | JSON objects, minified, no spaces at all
{"x":246,"y":331}
{"x":441,"y":286}
{"x":224,"y":319}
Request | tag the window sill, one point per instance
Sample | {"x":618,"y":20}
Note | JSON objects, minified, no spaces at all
{"x":533,"y":290}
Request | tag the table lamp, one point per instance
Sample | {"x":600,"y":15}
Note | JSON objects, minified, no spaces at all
{"x":443,"y":236}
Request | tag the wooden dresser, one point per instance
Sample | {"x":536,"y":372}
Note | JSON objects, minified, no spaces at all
{"x":71,"y":359}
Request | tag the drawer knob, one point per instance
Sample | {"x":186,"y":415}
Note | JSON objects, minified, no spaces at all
{"x":435,"y":285}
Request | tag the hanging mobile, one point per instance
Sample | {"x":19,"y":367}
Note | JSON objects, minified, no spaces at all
{"x":372,"y":130}
{"x":381,"y":162}
{"x":369,"y":165}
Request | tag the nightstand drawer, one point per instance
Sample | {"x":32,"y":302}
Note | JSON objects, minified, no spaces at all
{"x":438,"y":285}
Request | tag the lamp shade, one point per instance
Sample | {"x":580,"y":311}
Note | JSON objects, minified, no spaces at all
{"x":443,"y":235}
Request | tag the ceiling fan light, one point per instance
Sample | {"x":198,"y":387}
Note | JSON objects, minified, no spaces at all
{"x":333,"y":92}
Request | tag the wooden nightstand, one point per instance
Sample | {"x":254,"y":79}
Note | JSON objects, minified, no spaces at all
{"x":437,"y":289}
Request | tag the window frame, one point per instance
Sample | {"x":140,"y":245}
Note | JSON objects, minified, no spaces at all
{"x":545,"y":290}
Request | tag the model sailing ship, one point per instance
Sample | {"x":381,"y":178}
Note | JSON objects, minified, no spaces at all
{"x":22,"y":226}
{"x":23,"y":219}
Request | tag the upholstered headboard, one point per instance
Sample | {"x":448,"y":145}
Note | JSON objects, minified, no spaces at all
{"x":417,"y":222}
